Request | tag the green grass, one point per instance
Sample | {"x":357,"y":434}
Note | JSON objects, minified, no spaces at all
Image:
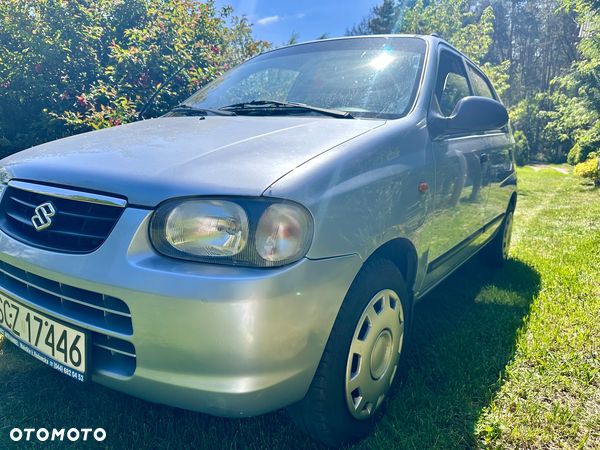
{"x":509,"y":359}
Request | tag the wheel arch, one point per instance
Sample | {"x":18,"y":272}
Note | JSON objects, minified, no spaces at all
{"x":403,"y":254}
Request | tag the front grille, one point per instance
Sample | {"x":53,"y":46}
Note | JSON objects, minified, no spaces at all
{"x":78,"y":223}
{"x":101,"y":311}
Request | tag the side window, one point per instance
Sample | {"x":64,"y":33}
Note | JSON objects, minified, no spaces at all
{"x":452,"y":84}
{"x":481,"y":87}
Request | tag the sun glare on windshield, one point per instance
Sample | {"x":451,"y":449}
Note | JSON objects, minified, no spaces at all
{"x":381,"y":61}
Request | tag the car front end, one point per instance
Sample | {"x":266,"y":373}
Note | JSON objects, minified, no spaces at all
{"x":227,"y":340}
{"x":161,"y":274}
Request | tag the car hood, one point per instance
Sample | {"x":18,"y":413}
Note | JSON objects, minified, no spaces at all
{"x":153,"y":160}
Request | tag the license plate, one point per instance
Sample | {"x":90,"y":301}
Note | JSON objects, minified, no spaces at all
{"x":61,"y":347}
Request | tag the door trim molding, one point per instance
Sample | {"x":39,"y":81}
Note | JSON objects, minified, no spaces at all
{"x":440,"y":260}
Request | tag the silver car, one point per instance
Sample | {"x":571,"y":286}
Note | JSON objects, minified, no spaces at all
{"x":263,"y":244}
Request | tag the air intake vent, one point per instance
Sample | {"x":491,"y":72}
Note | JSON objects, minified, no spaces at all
{"x":83,"y":306}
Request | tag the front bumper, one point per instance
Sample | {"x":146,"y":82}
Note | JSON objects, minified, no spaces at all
{"x":223,"y":340}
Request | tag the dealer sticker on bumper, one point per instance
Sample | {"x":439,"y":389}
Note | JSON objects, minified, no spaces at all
{"x":61,"y":347}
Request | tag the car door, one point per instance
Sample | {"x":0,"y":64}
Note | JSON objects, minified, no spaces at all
{"x":499,"y":170}
{"x":461,"y":185}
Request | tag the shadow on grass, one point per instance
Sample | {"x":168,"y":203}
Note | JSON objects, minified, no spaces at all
{"x":464,"y":336}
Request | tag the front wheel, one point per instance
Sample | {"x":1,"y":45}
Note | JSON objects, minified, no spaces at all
{"x":361,"y":358}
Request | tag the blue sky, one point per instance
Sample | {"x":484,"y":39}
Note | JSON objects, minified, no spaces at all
{"x":276,"y":20}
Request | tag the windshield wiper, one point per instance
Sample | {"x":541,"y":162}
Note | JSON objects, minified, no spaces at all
{"x":293,"y":105}
{"x":187,"y":109}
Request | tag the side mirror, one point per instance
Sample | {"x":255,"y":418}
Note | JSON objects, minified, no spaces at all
{"x":471,"y":115}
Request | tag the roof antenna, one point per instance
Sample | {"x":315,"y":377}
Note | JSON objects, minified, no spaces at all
{"x":437,"y":35}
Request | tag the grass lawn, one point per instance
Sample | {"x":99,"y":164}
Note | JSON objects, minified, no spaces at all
{"x":508,"y":360}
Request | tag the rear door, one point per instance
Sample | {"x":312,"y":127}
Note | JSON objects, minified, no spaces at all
{"x":499,"y":170}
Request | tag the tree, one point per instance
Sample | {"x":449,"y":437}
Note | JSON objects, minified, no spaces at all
{"x":239,"y":44}
{"x":465,"y":28}
{"x":383,"y":19}
{"x":563,"y":121}
{"x":577,"y":113}
{"x":538,"y":38}
{"x":72,"y":66}
{"x":454,"y":21}
{"x":526,"y":47}
{"x":293,"y":39}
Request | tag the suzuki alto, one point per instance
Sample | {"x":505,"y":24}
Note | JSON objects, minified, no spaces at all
{"x":262,"y":245}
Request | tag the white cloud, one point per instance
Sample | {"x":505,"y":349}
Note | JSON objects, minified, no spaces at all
{"x":301,"y":15}
{"x":268,"y":20}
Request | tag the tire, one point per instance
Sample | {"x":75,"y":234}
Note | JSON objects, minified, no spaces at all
{"x":360,"y":360}
{"x":495,"y":253}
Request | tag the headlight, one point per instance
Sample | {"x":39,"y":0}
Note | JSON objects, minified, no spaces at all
{"x":247,"y":232}
{"x":207,"y":228}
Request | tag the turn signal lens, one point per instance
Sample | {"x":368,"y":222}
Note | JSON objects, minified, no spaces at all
{"x":283,"y":234}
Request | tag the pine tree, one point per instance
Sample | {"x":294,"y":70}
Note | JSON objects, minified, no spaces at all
{"x":382,"y":20}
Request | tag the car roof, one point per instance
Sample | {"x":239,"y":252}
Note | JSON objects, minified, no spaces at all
{"x":432,"y":39}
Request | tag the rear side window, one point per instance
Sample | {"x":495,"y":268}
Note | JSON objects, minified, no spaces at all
{"x":481,"y":87}
{"x":452,"y":84}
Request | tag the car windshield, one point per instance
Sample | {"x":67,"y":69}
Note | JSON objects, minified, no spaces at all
{"x":373,"y":77}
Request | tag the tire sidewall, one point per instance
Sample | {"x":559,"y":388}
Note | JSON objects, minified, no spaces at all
{"x":374,"y":277}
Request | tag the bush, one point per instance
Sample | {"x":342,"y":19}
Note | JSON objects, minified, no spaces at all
{"x":77,"y":65}
{"x":589,"y":169}
{"x":521,"y":148}
{"x":530,"y":116}
{"x":575,"y":155}
{"x":587,"y":142}
{"x":558,"y":128}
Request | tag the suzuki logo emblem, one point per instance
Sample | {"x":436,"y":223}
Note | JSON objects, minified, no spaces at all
{"x":42,"y":218}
